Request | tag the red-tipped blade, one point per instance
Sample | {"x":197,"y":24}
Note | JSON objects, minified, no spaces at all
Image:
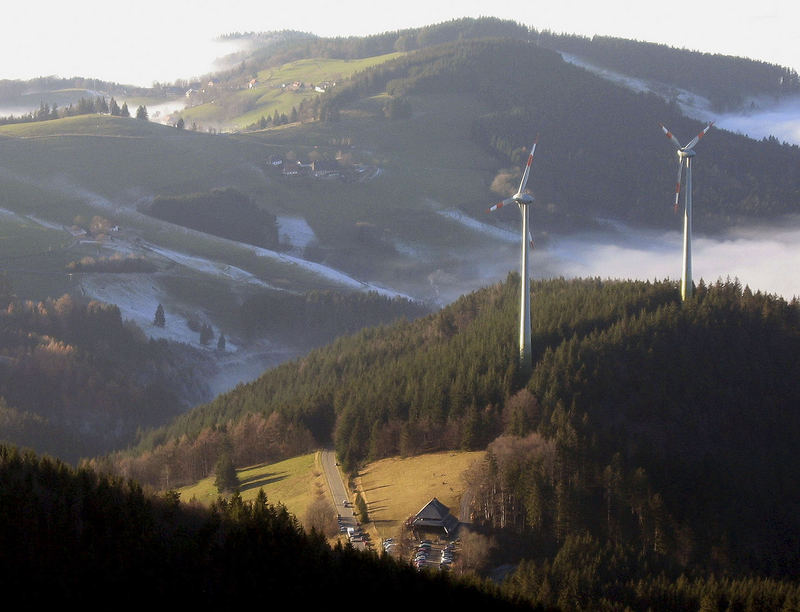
{"x":670,"y":135}
{"x":501,"y":204}
{"x":697,"y":138}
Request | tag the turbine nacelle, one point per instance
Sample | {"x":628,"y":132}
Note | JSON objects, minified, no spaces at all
{"x":523,"y":199}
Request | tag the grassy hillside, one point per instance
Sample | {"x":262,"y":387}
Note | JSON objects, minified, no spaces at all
{"x":397,"y":488}
{"x":393,"y":488}
{"x":241,"y":101}
{"x":292,"y":482}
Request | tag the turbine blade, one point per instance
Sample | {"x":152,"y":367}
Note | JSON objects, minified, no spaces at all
{"x":697,"y":138}
{"x":501,"y":204}
{"x":530,"y":239}
{"x":527,"y":168}
{"x":670,"y":135}
{"x":678,"y":185}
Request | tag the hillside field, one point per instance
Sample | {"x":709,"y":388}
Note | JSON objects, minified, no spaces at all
{"x":396,"y":488}
{"x":291,"y":482}
{"x":393,"y":488}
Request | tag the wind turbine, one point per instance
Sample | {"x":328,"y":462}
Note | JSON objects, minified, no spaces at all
{"x":523,"y":200}
{"x":685,"y":155}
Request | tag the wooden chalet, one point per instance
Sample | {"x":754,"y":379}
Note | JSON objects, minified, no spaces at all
{"x":435,"y":516}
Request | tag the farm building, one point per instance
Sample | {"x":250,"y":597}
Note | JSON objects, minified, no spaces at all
{"x":434,"y":516}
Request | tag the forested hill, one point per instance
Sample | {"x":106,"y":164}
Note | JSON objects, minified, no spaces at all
{"x":75,"y":380}
{"x":601,"y":153}
{"x":671,"y":427}
{"x":726,"y":81}
{"x":66,"y":535}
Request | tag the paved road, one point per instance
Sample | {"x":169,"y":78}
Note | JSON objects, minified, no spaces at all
{"x":338,"y":491}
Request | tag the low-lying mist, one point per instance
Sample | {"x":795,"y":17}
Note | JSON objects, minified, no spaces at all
{"x":766,"y":259}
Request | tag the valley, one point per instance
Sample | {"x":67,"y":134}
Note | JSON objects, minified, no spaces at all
{"x":296,"y":253}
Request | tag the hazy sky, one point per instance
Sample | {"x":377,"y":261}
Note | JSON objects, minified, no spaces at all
{"x":142,"y":43}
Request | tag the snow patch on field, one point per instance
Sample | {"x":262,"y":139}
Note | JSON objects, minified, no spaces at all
{"x":295,"y":232}
{"x":137,"y":296}
{"x":44,"y":223}
{"x":327,"y":272}
{"x":207,"y":266}
{"x":48,"y":224}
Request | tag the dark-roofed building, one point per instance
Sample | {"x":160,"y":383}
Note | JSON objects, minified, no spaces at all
{"x":322,"y":167}
{"x":435,"y":515}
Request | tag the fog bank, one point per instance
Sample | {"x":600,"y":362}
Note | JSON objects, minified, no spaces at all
{"x":767,"y":259}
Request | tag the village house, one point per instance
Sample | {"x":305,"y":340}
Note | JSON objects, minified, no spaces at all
{"x":323,"y":167}
{"x":291,"y":169}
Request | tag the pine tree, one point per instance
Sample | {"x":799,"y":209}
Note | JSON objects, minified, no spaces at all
{"x":225,"y":474}
{"x":206,"y":334}
{"x":361,"y":509}
{"x":159,"y":320}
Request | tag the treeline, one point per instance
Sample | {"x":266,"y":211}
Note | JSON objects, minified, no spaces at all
{"x":76,"y":381}
{"x":84,"y":106}
{"x":10,"y":88}
{"x":309,"y":109}
{"x":357,"y":47}
{"x":585,"y":574}
{"x":579,"y":178}
{"x":225,"y":212}
{"x":726,"y":81}
{"x":256,"y":438}
{"x":65,"y":532}
{"x":318,"y":317}
{"x":115,"y":263}
{"x":665,"y":428}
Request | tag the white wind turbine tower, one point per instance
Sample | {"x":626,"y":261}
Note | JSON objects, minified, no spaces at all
{"x":685,"y":155}
{"x":523,"y":200}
